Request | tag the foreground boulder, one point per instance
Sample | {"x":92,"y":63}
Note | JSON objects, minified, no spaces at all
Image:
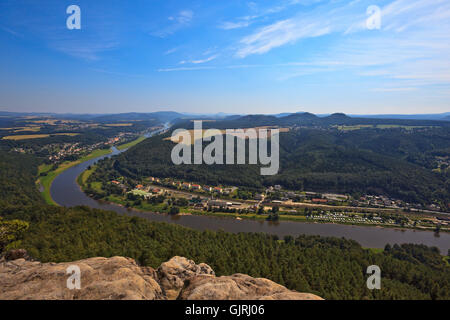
{"x":173,"y":274}
{"x":120,"y":278}
{"x":239,"y":287}
{"x":101,"y":278}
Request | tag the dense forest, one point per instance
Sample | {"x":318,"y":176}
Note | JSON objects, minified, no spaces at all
{"x":393,"y":162}
{"x":330,"y":267}
{"x":17,"y":179}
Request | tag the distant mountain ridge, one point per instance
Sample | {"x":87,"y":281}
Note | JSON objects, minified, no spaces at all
{"x":309,"y":120}
{"x":299,"y":118}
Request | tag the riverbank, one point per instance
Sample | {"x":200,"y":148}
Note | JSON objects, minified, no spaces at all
{"x":47,"y":174}
{"x":45,"y":181}
{"x":131,"y":144}
{"x":165,"y":210}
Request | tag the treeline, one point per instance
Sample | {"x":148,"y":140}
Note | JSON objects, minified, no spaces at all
{"x":330,"y":267}
{"x":390,"y":162}
{"x":306,"y":119}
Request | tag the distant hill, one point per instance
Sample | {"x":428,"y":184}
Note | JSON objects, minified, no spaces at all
{"x":437,"y":116}
{"x":306,"y":119}
{"x":162,"y":116}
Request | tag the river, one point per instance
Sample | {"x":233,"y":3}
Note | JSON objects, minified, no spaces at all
{"x":66,"y":192}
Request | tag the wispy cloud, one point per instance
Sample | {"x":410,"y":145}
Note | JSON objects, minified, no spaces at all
{"x":84,"y":49}
{"x":234,"y":25}
{"x":278,"y":34}
{"x":10,"y":31}
{"x":204,"y":60}
{"x":261,"y":13}
{"x":320,"y":21}
{"x":412,"y":46}
{"x":344,"y":18}
{"x":170,"y":51}
{"x":185,"y":69}
{"x":183,"y":17}
{"x":181,"y":20}
{"x":394,"y":89}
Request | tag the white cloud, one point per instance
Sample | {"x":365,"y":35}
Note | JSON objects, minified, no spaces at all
{"x":394,"y":89}
{"x":204,"y":60}
{"x":184,"y":17}
{"x":279,"y":34}
{"x":86,"y":49}
{"x":234,"y":25}
{"x":10,"y":31}
{"x":412,"y":47}
{"x":320,"y":21}
{"x":170,"y":51}
{"x":181,"y":20}
{"x":260,"y":14}
{"x":199,"y":61}
{"x":184,"y":69}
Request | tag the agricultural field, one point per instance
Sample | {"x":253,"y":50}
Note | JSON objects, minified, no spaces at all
{"x":26,"y":136}
{"x":38,"y":136}
{"x":378,"y":126}
{"x":207,"y":134}
{"x":118,"y":124}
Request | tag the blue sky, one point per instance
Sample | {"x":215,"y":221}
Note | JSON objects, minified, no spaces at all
{"x":225,"y":56}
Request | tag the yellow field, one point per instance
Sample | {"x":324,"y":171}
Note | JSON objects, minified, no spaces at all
{"x":379,"y":126}
{"x":206,"y":134}
{"x":65,"y":134}
{"x":37,"y":136}
{"x":47,"y":121}
{"x":26,"y":136}
{"x":351,"y":128}
{"x":118,"y":124}
{"x":27,"y":129}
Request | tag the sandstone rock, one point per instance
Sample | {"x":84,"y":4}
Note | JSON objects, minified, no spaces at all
{"x":173,"y":273}
{"x":101,"y":278}
{"x":121,"y":278}
{"x":238,"y":287}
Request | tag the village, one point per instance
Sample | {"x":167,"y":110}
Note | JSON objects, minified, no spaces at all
{"x":58,"y":152}
{"x":274,"y":201}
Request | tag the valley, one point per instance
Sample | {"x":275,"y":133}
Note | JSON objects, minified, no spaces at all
{"x":174,"y":203}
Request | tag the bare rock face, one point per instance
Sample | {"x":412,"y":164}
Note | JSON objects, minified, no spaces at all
{"x":238,"y":287}
{"x":121,"y":278}
{"x":101,"y":278}
{"x":173,"y":274}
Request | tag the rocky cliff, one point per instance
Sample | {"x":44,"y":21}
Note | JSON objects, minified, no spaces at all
{"x":122,"y":278}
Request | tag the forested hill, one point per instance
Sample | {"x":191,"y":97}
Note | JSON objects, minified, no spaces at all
{"x":394,"y":162}
{"x":17,"y":179}
{"x":306,"y":119}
